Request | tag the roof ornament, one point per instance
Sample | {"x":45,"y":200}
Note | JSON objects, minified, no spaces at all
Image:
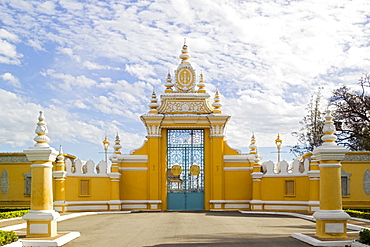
{"x":60,"y":157}
{"x":216,"y":104}
{"x":184,"y":53}
{"x":41,"y":130}
{"x":201,"y":84}
{"x":168,"y":84}
{"x":153,"y":103}
{"x":253,"y":146}
{"x":117,"y":145}
{"x":329,"y":129}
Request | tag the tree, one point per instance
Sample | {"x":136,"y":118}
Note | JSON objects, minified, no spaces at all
{"x":352,"y":113}
{"x":310,"y":133}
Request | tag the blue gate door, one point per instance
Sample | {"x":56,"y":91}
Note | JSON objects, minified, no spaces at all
{"x":185,"y":169}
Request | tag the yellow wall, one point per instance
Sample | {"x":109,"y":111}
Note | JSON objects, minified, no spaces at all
{"x":15,"y":194}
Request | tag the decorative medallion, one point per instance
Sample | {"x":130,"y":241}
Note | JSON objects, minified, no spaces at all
{"x":185,"y":79}
{"x":367,"y":182}
{"x":4,"y":182}
{"x":194,"y":170}
{"x":176,"y":170}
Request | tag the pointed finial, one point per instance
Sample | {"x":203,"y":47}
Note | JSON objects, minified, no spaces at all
{"x":329,"y":129}
{"x":216,"y":104}
{"x":60,"y":157}
{"x":184,"y":41}
{"x":253,"y":146}
{"x":153,"y":103}
{"x":41,"y":130}
{"x":184,"y":54}
{"x":117,"y":146}
{"x":168,"y":84}
{"x":201,"y":84}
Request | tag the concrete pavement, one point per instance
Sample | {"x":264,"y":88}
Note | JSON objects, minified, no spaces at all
{"x":186,"y":229}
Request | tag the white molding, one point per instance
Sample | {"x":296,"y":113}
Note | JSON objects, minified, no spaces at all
{"x":133,"y":168}
{"x":131,"y":158}
{"x":227,"y":205}
{"x":143,"y":206}
{"x":241,"y":158}
{"x":285,"y":207}
{"x":242,"y":168}
{"x":82,"y":208}
{"x":141,"y":201}
{"x":229,"y":201}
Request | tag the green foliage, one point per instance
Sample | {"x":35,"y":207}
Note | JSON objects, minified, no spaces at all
{"x":7,"y":237}
{"x":310,"y":133}
{"x":13,"y":214}
{"x":365,"y":236}
{"x":8,"y":209}
{"x":352,"y":115}
{"x":358,"y":214}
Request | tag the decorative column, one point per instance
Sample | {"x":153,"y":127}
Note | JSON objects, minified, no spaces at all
{"x":331,"y":220}
{"x":314,"y":181}
{"x":59,"y":182}
{"x":256,"y":202}
{"x":115,"y":175}
{"x":41,"y":220}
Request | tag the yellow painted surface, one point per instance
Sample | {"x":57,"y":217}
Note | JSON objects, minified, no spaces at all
{"x":99,"y":189}
{"x":15,"y":192}
{"x":237,"y":187}
{"x":330,"y":195}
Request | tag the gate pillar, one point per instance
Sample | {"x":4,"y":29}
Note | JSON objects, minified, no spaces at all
{"x":41,"y":220}
{"x":331,"y":220}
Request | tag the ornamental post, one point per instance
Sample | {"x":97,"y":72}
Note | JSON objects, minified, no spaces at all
{"x":41,"y":220}
{"x":331,"y":220}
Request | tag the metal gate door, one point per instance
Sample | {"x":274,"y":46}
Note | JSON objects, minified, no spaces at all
{"x":185,"y":169}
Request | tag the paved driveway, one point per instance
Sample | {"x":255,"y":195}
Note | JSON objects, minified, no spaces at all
{"x":186,"y":229}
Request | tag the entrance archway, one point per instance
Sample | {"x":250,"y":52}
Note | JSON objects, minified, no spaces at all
{"x":185,"y":169}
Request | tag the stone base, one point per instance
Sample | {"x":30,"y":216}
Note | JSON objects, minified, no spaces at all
{"x":311,"y":239}
{"x":60,"y":239}
{"x":331,"y":223}
{"x":41,"y":223}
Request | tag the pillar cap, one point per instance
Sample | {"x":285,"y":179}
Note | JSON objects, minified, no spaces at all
{"x":331,"y":215}
{"x":41,"y":215}
{"x":41,"y":154}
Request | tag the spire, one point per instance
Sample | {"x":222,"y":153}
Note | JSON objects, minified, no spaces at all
{"x":60,"y":157}
{"x":329,"y":129}
{"x":184,"y":53}
{"x":216,"y":104}
{"x":168,"y":84}
{"x":117,"y":145}
{"x":253,"y":146}
{"x":41,"y":130}
{"x":153,"y":103}
{"x":201,"y":84}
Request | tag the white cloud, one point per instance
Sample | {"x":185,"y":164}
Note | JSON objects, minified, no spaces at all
{"x":266,"y":58}
{"x":8,"y":53}
{"x":71,"y":82}
{"x":11,"y":79}
{"x":4,"y":34}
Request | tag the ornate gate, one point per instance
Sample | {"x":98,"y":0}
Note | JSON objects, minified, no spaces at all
{"x":185,"y":169}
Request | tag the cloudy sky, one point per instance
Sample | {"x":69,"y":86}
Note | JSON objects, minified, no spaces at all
{"x":91,"y":65}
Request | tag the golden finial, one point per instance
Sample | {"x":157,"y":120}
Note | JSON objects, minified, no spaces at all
{"x":41,"y":130}
{"x":253,"y":146}
{"x":184,"y":54}
{"x":201,"y":84}
{"x":216,"y":104}
{"x":153,"y":103}
{"x":168,"y":84}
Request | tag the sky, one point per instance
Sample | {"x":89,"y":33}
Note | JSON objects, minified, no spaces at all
{"x":91,"y":65}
